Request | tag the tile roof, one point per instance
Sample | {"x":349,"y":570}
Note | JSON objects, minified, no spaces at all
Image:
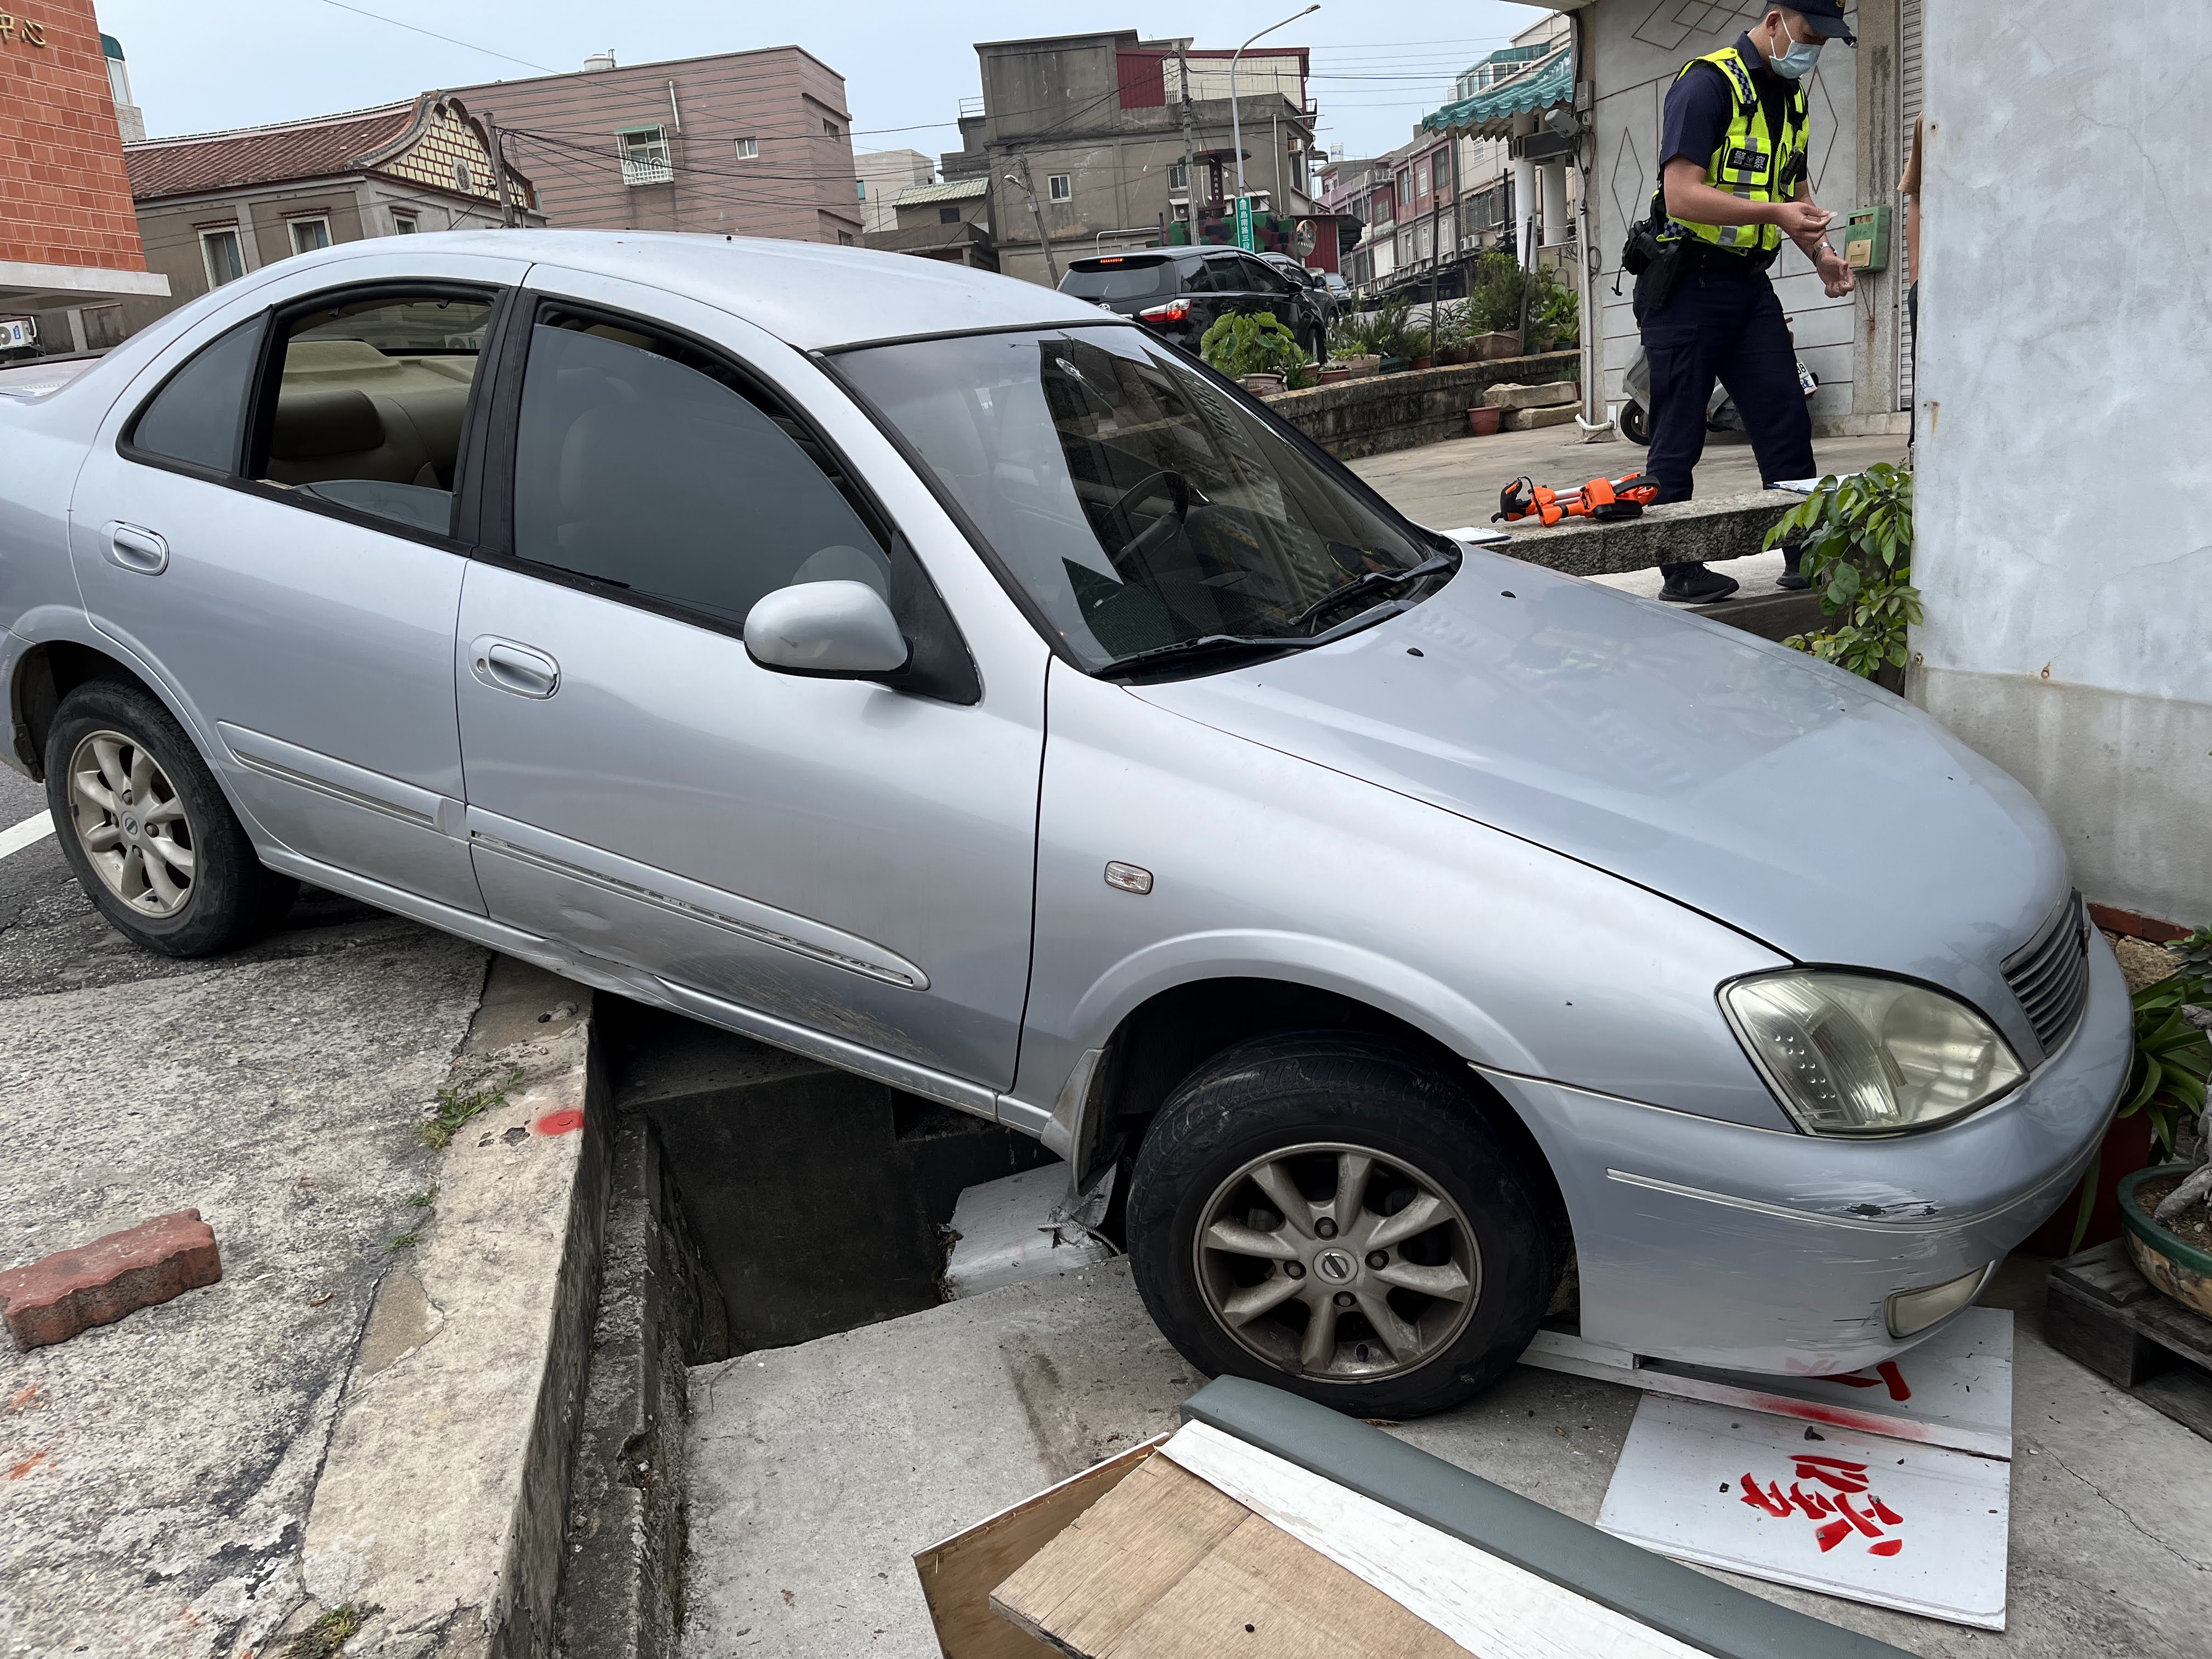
{"x":967,"y":189}
{"x":253,"y":155}
{"x":1487,"y":114}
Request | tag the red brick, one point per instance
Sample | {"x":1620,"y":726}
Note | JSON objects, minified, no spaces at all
{"x":97,"y":1284}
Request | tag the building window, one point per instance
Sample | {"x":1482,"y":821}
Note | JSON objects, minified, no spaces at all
{"x":748,"y":150}
{"x":863,"y":184}
{"x":948,"y":216}
{"x":1178,"y":176}
{"x":1426,"y":241}
{"x":226,"y":263}
{"x":1059,"y":187}
{"x":644,"y":152}
{"x":1421,"y":179}
{"x":830,"y":130}
{"x":844,"y":239}
{"x":309,"y":234}
{"x":1404,"y":180}
{"x":403,"y":224}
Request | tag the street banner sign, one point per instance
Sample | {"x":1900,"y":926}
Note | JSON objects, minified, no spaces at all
{"x":1244,"y":225}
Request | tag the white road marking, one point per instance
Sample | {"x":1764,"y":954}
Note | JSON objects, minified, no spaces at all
{"x":28,"y":833}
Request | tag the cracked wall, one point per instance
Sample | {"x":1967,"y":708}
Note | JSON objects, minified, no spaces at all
{"x":2063,"y":547}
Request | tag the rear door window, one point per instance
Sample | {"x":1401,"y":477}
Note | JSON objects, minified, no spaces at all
{"x":371,"y":399}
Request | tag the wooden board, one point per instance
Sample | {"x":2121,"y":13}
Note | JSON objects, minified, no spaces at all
{"x":958,"y":1575}
{"x":2103,"y":1314}
{"x":1168,"y":1567}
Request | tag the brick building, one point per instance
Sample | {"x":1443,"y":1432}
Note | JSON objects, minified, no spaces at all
{"x":67,"y":238}
{"x":214,"y":205}
{"x":745,"y":143}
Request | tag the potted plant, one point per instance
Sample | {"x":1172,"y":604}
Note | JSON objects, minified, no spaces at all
{"x":1856,"y":540}
{"x":1258,"y":350}
{"x":2170,"y":1242}
{"x":1482,"y":421}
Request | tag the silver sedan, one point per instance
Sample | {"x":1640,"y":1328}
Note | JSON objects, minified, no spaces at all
{"x":930,"y":673}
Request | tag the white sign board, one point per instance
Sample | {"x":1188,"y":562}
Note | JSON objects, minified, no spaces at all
{"x":1917,"y":1528}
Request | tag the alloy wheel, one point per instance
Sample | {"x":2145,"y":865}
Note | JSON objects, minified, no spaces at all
{"x":132,"y":823}
{"x":1334,"y":1262}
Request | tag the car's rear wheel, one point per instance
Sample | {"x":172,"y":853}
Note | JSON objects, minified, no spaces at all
{"x":1337,"y":1215}
{"x":147,"y":831}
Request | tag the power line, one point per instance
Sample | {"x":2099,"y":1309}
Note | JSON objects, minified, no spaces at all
{"x":449,"y":39}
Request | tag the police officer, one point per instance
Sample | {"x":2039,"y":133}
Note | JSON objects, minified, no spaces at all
{"x":1733,"y":185}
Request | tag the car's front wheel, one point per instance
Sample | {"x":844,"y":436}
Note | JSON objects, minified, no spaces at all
{"x":1338,"y":1216}
{"x":147,"y":831}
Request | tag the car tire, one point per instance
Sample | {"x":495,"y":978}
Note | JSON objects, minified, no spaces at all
{"x":146,"y":829}
{"x":1284,"y":1120}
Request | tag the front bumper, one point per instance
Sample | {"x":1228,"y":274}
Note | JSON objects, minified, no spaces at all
{"x":1716,"y":1244}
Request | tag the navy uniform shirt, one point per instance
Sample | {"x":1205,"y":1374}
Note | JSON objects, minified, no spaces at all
{"x":1700,"y":106}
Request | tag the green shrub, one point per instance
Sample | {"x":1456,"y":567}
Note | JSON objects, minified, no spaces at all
{"x":2173,"y":1058}
{"x":1238,"y":345}
{"x":1858,"y":549}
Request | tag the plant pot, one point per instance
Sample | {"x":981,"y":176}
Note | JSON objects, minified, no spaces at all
{"x":1423,"y":361}
{"x":2126,"y":1149}
{"x":1261,"y":386}
{"x":1495,"y":346}
{"x":1482,"y":421}
{"x":1335,"y":375}
{"x":1392,"y":365}
{"x":1453,"y":356}
{"x":2169,"y":1262}
{"x":1362,"y":365}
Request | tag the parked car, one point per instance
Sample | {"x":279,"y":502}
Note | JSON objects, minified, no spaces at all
{"x":931,"y":673}
{"x":1179,"y":293}
{"x":1321,"y":298}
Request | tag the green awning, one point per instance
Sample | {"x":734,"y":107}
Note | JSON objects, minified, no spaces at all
{"x":1490,"y":114}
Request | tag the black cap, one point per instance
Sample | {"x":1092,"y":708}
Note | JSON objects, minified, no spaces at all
{"x":1827,"y":16}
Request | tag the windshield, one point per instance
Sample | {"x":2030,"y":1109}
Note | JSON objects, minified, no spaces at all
{"x":1119,"y":279}
{"x":1140,"y":504}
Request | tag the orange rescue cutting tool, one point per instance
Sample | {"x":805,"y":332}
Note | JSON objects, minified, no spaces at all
{"x":1600,"y":498}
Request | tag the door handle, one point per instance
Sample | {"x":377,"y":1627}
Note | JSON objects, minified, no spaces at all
{"x":129,"y":548}
{"x":516,"y":669}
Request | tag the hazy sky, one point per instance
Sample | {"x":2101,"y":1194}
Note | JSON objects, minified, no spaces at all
{"x":240,"y":62}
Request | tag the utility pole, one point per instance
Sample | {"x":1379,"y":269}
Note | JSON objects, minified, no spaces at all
{"x":1037,"y":216}
{"x":1236,"y":122}
{"x":1190,"y":152}
{"x":498,"y":148}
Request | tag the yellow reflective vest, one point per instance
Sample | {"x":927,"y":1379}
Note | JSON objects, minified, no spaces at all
{"x":1749,"y":164}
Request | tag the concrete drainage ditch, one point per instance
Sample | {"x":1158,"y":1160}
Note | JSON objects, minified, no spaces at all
{"x":758,"y":1199}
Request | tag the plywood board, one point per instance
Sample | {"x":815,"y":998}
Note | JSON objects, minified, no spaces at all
{"x":958,"y":1575}
{"x":1484,"y":1604}
{"x":1919,"y":1528}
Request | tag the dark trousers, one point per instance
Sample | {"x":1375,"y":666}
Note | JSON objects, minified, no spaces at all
{"x":1725,"y":325}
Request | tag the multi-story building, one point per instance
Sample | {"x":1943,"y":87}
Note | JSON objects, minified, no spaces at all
{"x":881,"y":174}
{"x":1526,"y":202}
{"x":214,"y":205}
{"x":70,"y":248}
{"x":1093,"y":141}
{"x":744,"y":143}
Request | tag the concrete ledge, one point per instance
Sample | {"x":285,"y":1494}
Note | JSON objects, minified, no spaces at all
{"x":1378,"y":413}
{"x":442,"y":1499}
{"x":1730,"y":527}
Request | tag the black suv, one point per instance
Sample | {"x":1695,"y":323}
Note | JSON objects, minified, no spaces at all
{"x":1177,"y":293}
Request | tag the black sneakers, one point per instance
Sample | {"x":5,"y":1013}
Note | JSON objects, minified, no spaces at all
{"x":1695,"y":584}
{"x":1794,"y":581}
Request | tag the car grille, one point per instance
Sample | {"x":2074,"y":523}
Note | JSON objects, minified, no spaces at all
{"x":2050,"y":977}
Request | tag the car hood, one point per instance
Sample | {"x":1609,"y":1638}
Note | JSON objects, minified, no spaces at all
{"x":1786,"y":797}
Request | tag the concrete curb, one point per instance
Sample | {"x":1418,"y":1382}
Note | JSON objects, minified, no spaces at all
{"x":440,"y":1510}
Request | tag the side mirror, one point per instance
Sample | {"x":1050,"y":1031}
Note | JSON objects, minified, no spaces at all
{"x":833,"y":630}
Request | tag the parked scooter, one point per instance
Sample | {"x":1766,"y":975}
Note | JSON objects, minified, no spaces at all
{"x":1634,"y":419}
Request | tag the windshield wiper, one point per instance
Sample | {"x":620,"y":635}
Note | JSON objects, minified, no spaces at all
{"x":1373,"y":582}
{"x":1205,"y":648}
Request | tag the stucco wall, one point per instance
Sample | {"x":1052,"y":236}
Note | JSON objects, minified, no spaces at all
{"x":2065,"y":542}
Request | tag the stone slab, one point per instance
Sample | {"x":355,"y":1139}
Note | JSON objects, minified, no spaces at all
{"x":1536,"y":420}
{"x":1550,"y":395}
{"x":1725,"y":528}
{"x":110,"y":1279}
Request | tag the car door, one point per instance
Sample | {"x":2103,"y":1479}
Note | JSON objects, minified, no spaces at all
{"x":266,"y":524}
{"x":834,"y":858}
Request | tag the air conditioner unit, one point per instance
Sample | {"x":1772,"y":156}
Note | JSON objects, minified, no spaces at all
{"x":1539,"y":147}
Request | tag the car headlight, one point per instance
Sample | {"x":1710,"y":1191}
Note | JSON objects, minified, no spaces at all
{"x":1852,"y":1054}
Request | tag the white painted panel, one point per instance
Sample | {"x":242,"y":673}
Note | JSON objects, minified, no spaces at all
{"x":1885,"y":1522}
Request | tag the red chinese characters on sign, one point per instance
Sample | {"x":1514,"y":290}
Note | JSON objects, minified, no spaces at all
{"x":1832,"y":1513}
{"x":1885,"y":1374}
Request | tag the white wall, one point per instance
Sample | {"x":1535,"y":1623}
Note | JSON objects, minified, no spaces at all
{"x":1638,"y":47}
{"x":2065,"y":495}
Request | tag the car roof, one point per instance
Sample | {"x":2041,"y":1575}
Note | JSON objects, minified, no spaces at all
{"x":809,"y":295}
